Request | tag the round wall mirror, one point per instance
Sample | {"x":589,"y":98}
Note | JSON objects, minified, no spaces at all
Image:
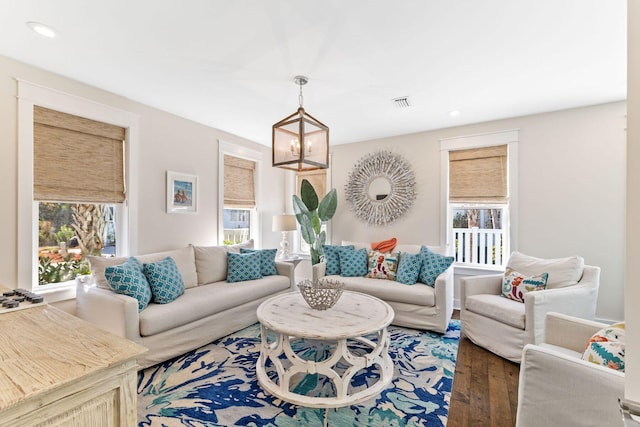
{"x":380,"y":188}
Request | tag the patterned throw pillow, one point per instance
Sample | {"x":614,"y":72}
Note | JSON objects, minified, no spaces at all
{"x":409,"y":268}
{"x":128,"y":279}
{"x":267,"y":260}
{"x":607,"y":346}
{"x":243,"y":267}
{"x":433,"y":265}
{"x":515,"y":285}
{"x":353,"y":263}
{"x":382,"y":265}
{"x":332,"y":258}
{"x":164,"y":279}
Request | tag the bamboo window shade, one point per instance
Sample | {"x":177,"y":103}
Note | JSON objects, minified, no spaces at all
{"x":317,"y":178}
{"x":76,"y":159}
{"x":478,"y":175}
{"x":239,"y":187}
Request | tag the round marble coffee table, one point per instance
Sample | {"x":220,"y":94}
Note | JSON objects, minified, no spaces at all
{"x":289,"y":318}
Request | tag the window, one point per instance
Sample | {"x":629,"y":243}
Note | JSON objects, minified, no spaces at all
{"x":71,"y":186}
{"x":479,"y":198}
{"x":239,"y":168}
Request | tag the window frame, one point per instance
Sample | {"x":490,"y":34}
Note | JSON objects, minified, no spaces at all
{"x":508,"y":137}
{"x":30,"y":94}
{"x":248,"y":154}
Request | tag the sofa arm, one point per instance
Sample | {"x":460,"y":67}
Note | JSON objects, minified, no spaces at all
{"x":577,"y":301}
{"x":568,"y":331}
{"x":556,"y":389}
{"x":444,"y":294}
{"x":112,"y":312}
{"x":318,"y":270}
{"x":287,"y":269}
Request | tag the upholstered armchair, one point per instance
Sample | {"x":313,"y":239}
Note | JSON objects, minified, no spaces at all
{"x":557,"y":388}
{"x":504,"y":326}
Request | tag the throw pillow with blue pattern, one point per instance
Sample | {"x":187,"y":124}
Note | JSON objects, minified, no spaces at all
{"x":241,"y":267}
{"x":267,"y":260}
{"x":331,"y":255}
{"x":128,"y":279}
{"x":433,"y":265}
{"x":516,"y":285}
{"x":409,"y":268}
{"x":164,"y":279}
{"x":353,"y":263}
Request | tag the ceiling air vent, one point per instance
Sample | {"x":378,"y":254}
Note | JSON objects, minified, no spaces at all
{"x":402,"y":102}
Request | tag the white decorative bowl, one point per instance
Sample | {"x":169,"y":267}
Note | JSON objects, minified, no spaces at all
{"x":321,"y":295}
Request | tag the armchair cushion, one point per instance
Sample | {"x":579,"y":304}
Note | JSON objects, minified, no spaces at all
{"x":497,"y":308}
{"x":562,"y":271}
{"x":516,"y":285}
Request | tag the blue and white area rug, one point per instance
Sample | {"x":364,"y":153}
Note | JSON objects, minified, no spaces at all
{"x":216,"y":385}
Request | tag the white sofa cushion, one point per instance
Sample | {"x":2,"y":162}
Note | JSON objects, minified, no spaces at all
{"x":202,"y":301}
{"x":184,"y":258}
{"x":498,"y":308}
{"x":211,"y":263}
{"x":389,"y":290}
{"x":562,"y":271}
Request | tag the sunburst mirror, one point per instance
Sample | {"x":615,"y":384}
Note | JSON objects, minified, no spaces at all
{"x":380,"y":188}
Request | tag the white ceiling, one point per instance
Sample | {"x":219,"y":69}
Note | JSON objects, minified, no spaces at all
{"x":230,"y":64}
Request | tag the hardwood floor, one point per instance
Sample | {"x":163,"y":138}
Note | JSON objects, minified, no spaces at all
{"x":485,"y":388}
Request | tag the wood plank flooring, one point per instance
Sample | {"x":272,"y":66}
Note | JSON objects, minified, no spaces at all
{"x":485,"y":388}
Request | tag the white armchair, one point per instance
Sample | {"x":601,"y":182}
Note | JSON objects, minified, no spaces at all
{"x":504,"y":326}
{"x":557,"y":388}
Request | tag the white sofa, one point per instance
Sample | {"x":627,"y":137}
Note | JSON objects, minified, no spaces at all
{"x":210,"y":307}
{"x":416,"y":306}
{"x":557,"y":388}
{"x":504,"y":326}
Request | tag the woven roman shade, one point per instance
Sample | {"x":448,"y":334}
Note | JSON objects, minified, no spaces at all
{"x":239,"y":188}
{"x":76,"y":159}
{"x":478,"y":175}
{"x":317,"y":178}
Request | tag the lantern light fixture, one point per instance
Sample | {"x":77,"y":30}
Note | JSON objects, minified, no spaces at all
{"x":300,"y":141}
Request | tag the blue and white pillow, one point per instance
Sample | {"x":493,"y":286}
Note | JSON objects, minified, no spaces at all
{"x":241,"y":267}
{"x":128,"y":279}
{"x":332,"y":258}
{"x":267,"y":260}
{"x":353,"y":263}
{"x":409,"y":268}
{"x":433,"y":265}
{"x":164,"y":279}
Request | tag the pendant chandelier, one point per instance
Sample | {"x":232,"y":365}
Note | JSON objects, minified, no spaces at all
{"x":300,"y":141}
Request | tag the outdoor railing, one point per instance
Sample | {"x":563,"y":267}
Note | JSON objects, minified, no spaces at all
{"x":479,"y":246}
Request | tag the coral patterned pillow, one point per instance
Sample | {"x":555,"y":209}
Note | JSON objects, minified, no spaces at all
{"x":516,"y":285}
{"x":606,"y":347}
{"x":382,"y":265}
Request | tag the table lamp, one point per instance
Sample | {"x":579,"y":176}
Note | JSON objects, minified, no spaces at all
{"x":284,"y":223}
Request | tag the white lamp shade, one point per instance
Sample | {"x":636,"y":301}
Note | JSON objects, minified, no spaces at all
{"x":284,"y":223}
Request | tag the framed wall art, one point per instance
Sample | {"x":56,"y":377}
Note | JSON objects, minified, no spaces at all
{"x":182,"y":193}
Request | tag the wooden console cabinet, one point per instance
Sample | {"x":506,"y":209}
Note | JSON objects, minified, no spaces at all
{"x":58,"y":370}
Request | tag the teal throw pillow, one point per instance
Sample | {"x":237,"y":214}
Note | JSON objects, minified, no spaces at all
{"x":332,"y":258}
{"x":267,"y":260}
{"x":409,"y":268}
{"x":433,"y":265}
{"x":164,"y":279}
{"x":241,"y":267}
{"x":353,"y":263}
{"x":128,"y":279}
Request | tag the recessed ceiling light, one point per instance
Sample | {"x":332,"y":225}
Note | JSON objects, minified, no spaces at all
{"x":42,"y":29}
{"x":454,"y":113}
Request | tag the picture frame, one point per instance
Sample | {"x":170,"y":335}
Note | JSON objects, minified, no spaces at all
{"x":182,"y":193}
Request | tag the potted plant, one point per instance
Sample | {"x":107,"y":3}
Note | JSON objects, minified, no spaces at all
{"x":311,"y":215}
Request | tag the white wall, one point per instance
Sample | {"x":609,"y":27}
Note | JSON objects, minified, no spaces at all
{"x":632,"y":290}
{"x":166,"y":142}
{"x":571,"y":175}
